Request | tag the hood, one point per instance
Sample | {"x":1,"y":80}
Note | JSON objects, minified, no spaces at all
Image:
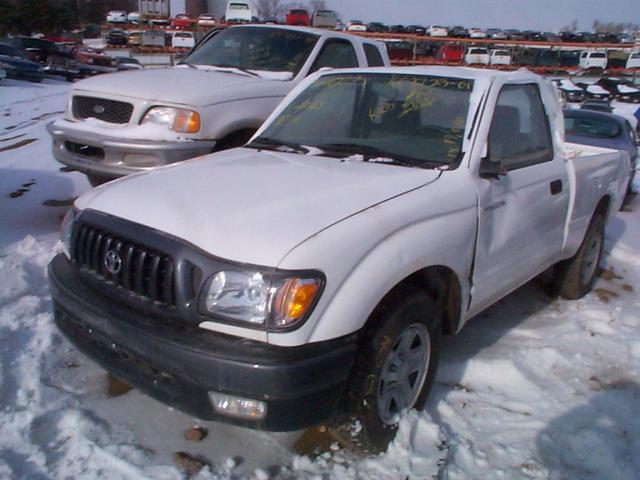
{"x":249,"y":206}
{"x":183,"y":85}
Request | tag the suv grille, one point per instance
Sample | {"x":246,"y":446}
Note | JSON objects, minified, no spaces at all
{"x":130,"y":266}
{"x":106,"y":110}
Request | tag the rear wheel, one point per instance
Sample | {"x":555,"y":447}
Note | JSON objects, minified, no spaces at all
{"x":574,"y":277}
{"x":395,"y":367}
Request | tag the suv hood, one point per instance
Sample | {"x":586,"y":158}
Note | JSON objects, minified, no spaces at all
{"x":250,"y":206}
{"x":183,"y":85}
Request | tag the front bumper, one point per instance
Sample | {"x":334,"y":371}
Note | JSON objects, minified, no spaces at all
{"x":179,"y":365}
{"x":110,"y":158}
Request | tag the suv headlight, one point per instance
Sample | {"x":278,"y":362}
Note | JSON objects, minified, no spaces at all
{"x":66,"y":230}
{"x":273,"y":301}
{"x":176,"y":119}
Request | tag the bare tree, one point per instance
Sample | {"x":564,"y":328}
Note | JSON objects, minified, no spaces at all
{"x":318,"y":5}
{"x":573,"y":27}
{"x":614,"y":27}
{"x":271,"y":8}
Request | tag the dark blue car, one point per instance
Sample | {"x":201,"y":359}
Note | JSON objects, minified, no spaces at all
{"x":601,"y":129}
{"x":18,"y":66}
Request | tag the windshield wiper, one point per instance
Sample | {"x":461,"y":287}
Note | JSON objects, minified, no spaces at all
{"x":268,"y":143}
{"x":376,"y":155}
{"x":241,"y":69}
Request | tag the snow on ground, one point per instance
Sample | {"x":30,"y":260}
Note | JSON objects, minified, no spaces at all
{"x":535,"y":387}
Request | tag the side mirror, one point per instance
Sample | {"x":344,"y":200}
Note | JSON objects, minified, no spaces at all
{"x":489,"y":169}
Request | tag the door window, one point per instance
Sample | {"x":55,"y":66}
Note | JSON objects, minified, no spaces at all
{"x":374,"y":59}
{"x":520,"y":134}
{"x":336,"y":54}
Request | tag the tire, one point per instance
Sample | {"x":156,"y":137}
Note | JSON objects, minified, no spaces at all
{"x":574,"y":277}
{"x":406,"y":323}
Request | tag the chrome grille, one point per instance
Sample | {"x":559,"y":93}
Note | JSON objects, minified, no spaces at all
{"x":146,"y":272}
{"x":106,"y":110}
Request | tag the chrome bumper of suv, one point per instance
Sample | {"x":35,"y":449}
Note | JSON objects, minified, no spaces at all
{"x":111,"y":157}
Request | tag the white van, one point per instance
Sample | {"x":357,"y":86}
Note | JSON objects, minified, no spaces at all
{"x":499,"y":57}
{"x":634,"y":60}
{"x":593,"y":59}
{"x":477,"y":56}
{"x":183,"y":40}
{"x":241,"y":12}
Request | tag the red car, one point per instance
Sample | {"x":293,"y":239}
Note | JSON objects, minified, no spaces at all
{"x":298,"y":17}
{"x":450,"y":53}
{"x":94,"y":58}
{"x":183,"y":21}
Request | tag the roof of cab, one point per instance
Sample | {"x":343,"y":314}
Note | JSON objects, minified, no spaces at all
{"x":313,"y":31}
{"x":442,"y":71}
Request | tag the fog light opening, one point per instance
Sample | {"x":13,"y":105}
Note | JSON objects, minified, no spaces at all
{"x":238,"y":407}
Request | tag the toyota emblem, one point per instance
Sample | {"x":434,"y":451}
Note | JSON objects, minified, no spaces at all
{"x":113,"y":262}
{"x":98,"y":109}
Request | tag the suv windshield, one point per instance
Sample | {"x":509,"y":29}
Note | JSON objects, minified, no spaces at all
{"x":256,"y":48}
{"x":411,"y":120}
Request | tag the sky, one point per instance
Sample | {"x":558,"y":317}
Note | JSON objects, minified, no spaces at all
{"x":549,"y":15}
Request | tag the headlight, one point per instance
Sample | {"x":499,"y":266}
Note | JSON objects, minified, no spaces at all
{"x":273,"y":301}
{"x":66,"y":231}
{"x":176,"y":119}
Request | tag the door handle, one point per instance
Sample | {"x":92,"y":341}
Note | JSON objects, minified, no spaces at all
{"x":555,"y":187}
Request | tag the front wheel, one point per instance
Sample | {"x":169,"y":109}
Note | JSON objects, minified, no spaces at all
{"x":574,"y":277}
{"x":395,"y":367}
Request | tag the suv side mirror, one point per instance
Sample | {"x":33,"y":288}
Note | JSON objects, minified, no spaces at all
{"x":489,"y":169}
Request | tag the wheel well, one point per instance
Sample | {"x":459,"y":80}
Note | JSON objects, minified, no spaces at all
{"x":234,"y":139}
{"x":441,"y":283}
{"x":603,"y":206}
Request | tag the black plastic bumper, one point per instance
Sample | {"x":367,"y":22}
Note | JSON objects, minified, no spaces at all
{"x":179,"y":364}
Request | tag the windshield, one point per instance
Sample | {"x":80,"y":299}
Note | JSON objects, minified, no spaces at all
{"x":414,"y":118}
{"x":256,"y":48}
{"x":238,"y":6}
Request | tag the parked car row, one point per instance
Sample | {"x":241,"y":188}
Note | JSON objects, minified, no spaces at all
{"x":605,"y":88}
{"x":151,"y":38}
{"x":499,"y":34}
{"x":31,"y":59}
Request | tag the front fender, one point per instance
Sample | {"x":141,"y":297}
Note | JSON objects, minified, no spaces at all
{"x":365,"y":256}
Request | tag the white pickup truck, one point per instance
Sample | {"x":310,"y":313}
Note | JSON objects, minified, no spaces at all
{"x":314,"y":270}
{"x":215,"y":99}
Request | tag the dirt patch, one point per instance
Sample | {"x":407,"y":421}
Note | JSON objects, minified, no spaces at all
{"x":189,"y":464}
{"x":116,"y":387}
{"x":608,"y":274}
{"x":26,"y":187}
{"x":59,"y":203}
{"x":627,"y":288}
{"x":196,"y":434}
{"x":605,"y":295}
{"x":19,"y":144}
{"x":12,"y":138}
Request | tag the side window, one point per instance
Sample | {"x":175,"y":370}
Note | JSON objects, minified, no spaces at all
{"x":336,"y":54}
{"x":520,"y":134}
{"x":374,"y":59}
